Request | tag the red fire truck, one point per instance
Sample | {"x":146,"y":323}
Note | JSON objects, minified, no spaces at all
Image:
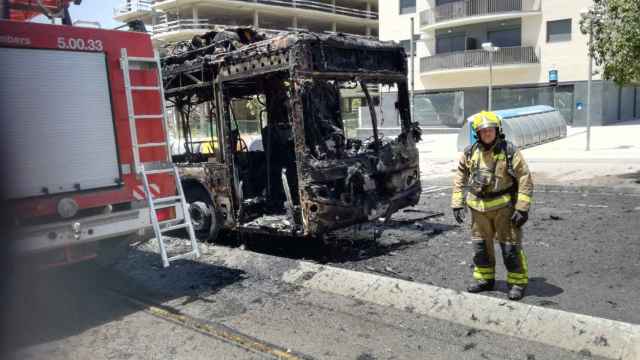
{"x":83,"y":132}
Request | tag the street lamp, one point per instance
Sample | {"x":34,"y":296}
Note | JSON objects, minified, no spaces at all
{"x":413,"y":66}
{"x":488,"y":46}
{"x":585,"y":14}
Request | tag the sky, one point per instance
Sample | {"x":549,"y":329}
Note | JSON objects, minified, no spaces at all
{"x":93,"y":10}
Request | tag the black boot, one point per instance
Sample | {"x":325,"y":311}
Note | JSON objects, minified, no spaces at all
{"x":516,"y":292}
{"x":481,"y":285}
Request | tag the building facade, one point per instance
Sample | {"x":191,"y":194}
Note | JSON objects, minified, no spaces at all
{"x":536,"y":38}
{"x":177,"y":20}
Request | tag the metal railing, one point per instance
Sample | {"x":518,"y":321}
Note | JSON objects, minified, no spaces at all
{"x":469,"y":8}
{"x":479,"y":58}
{"x":177,"y":25}
{"x":319,"y":6}
{"x":129,"y":6}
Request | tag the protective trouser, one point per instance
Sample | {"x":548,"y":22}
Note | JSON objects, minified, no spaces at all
{"x":496,"y":225}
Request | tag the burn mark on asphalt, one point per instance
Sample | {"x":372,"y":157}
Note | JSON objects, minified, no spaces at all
{"x":308,"y":276}
{"x":469,"y":346}
{"x":601,"y":341}
{"x":547,"y":303}
{"x":366,"y":356}
{"x":472,"y":332}
{"x":585,"y":352}
{"x":579,"y":331}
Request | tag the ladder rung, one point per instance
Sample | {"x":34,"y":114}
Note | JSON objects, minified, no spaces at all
{"x":141,"y":59}
{"x":175,"y":227}
{"x":182,"y":256}
{"x":158,"y":171}
{"x":151,"y":145}
{"x":170,"y":221}
{"x":165,"y":199}
{"x":145,"y":88}
{"x":164,"y":206}
{"x":141,"y":117}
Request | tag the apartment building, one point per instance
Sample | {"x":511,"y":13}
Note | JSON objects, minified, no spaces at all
{"x":176,"y":20}
{"x":535,"y":39}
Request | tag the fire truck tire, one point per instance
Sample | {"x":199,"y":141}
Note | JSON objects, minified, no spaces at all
{"x":205,"y":218}
{"x":110,"y":251}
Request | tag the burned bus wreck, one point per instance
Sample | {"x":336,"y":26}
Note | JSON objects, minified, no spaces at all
{"x":297,"y":173}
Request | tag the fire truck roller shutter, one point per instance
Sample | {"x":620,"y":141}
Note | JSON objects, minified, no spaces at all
{"x":57,"y":122}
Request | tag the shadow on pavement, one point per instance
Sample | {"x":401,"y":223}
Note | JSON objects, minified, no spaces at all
{"x":354,"y":244}
{"x":48,"y":305}
{"x":538,"y":286}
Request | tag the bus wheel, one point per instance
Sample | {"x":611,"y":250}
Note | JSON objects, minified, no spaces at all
{"x":205,"y":219}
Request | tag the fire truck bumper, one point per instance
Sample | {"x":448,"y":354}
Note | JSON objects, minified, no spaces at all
{"x":86,"y":230}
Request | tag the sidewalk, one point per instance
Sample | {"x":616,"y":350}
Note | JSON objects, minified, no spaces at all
{"x":614,"y":158}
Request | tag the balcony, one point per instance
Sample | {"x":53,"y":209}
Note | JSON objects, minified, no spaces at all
{"x":475,"y":59}
{"x":132,"y":9}
{"x":320,"y":6}
{"x":290,"y":4}
{"x":475,"y":11}
{"x":180,"y":29}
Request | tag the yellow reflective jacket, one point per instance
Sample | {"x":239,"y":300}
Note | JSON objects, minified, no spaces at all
{"x":485,"y":175}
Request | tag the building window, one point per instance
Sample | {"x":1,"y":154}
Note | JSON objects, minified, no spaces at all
{"x":438,"y":109}
{"x":406,"y":44}
{"x":443,"y":2}
{"x":506,"y":37}
{"x":450,"y":43}
{"x":407,"y":6}
{"x":559,"y":30}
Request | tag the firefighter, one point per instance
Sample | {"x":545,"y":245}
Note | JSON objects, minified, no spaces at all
{"x":499,"y":189}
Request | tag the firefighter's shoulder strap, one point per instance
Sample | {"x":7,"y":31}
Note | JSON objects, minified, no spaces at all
{"x":469,"y":150}
{"x":510,"y":151}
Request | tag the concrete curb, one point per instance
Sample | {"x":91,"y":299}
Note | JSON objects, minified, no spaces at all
{"x":561,"y":329}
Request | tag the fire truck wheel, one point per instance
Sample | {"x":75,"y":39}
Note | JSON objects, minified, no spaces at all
{"x":204,"y":217}
{"x":110,"y":251}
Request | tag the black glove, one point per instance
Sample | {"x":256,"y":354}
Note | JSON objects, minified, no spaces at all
{"x":519,"y":218}
{"x":458,"y":213}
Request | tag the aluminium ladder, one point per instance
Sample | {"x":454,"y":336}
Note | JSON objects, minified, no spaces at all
{"x":177,"y":201}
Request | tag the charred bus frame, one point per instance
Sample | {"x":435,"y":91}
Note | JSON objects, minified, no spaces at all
{"x":308,"y":177}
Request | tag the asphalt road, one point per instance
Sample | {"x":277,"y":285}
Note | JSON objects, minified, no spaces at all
{"x":200,"y":310}
{"x":583,"y":252}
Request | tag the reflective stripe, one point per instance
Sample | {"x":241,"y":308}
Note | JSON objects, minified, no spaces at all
{"x":457,"y":196}
{"x":479,"y":276}
{"x":513,"y":281}
{"x":517,"y":276}
{"x":524,"y":198}
{"x":482,"y":205}
{"x":484,"y":273}
{"x":523,"y":261}
{"x":484,"y":270}
{"x":500,"y":156}
{"x":520,"y":278}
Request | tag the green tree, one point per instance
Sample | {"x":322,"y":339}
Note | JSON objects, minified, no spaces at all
{"x":616,"y":38}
